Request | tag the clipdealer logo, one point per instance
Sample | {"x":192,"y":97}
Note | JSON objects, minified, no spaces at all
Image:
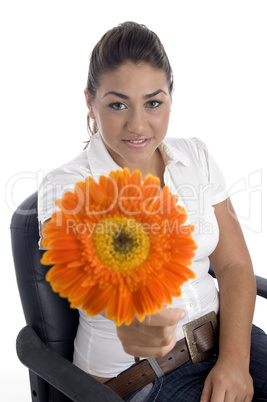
{"x":246,"y":193}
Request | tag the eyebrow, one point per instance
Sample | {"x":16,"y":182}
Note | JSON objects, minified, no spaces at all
{"x":155,"y":93}
{"x":127,"y":97}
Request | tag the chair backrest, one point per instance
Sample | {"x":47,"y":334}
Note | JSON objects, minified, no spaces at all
{"x":50,"y":315}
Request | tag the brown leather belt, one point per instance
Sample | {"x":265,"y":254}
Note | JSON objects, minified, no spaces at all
{"x":200,"y":340}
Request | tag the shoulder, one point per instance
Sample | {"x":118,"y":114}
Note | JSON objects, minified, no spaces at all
{"x":68,"y":172}
{"x":58,"y":181}
{"x":79,"y":163}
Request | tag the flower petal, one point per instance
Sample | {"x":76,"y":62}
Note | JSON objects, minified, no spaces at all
{"x":130,"y":269}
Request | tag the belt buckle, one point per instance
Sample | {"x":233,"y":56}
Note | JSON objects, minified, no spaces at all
{"x":189,"y":335}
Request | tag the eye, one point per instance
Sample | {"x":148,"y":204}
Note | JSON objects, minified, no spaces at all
{"x":117,"y":106}
{"x":153,"y":104}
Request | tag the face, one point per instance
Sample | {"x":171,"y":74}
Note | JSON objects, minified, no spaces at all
{"x":132,"y":107}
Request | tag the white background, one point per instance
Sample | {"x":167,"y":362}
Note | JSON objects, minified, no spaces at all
{"x":218,"y":53}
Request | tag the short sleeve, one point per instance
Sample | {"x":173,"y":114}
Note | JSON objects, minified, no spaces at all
{"x":54,"y":185}
{"x":213,"y":172}
{"x":219,"y":190}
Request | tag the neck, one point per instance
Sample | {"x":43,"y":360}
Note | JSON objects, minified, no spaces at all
{"x":156,"y":167}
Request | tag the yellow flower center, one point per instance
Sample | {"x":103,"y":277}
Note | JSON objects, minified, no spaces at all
{"x":121,"y":243}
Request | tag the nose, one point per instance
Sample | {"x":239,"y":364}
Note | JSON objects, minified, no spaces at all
{"x":136,"y":121}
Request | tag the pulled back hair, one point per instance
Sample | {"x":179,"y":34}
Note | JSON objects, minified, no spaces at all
{"x":128,"y":41}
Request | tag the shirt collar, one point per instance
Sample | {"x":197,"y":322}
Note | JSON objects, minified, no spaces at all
{"x":100,"y":161}
{"x":172,"y":155}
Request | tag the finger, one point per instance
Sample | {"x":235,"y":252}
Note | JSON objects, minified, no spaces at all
{"x":218,"y":394}
{"x":206,"y":393}
{"x":145,"y":351}
{"x":154,"y":337}
{"x":143,"y":335}
{"x":166,"y":317}
{"x":162,"y":333}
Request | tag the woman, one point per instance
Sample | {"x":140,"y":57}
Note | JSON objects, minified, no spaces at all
{"x":129,"y":98}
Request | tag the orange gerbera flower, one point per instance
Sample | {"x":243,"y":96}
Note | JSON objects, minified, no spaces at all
{"x":119,"y":246}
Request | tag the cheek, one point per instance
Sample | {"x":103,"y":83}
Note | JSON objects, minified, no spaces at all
{"x":103,"y":120}
{"x":161,"y":122}
{"x":109,"y":125}
{"x":108,"y":117}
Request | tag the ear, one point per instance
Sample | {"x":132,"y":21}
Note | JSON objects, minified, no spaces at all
{"x":88,"y":98}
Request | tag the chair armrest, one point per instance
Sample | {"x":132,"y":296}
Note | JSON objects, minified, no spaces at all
{"x":261,"y":283}
{"x":261,"y":286}
{"x":59,"y":372}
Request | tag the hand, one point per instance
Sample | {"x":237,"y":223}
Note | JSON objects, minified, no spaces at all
{"x":228,"y":382}
{"x":153,"y":337}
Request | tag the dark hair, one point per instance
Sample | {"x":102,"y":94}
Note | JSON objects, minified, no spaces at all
{"x":128,"y":41}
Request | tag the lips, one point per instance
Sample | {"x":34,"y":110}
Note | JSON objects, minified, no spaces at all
{"x":137,"y":142}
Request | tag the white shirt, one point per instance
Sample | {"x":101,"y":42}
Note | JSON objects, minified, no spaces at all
{"x":191,"y":173}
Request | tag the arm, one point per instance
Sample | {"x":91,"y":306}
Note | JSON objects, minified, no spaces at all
{"x":233,"y":269}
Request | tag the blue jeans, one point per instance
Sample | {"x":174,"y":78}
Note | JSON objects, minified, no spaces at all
{"x":186,"y":383}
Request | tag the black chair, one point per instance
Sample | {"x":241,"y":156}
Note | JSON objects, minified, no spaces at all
{"x":45,"y":345}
